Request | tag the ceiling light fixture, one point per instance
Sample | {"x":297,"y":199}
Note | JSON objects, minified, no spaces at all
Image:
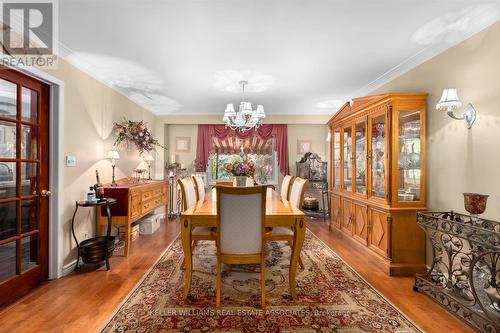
{"x":245,"y":118}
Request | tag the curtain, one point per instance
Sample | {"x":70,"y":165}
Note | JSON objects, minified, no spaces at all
{"x":263,"y":133}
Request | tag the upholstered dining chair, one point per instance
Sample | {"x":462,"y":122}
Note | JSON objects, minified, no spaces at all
{"x":286,"y":185}
{"x":199,"y":186}
{"x":189,"y":199}
{"x":241,"y":231}
{"x":296,"y":198}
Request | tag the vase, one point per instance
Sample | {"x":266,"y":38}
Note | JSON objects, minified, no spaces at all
{"x":475,"y":204}
{"x":241,"y":181}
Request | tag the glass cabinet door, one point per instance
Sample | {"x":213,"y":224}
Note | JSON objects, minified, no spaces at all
{"x":360,"y":158}
{"x":347,"y":159}
{"x":378,"y":154}
{"x":409,"y":155}
{"x":336,"y":159}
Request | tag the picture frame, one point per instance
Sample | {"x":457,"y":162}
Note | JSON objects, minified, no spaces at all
{"x":182,"y":144}
{"x":303,"y":146}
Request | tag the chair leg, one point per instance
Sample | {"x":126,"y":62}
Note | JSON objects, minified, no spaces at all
{"x":301,"y":264}
{"x":218,"y":283}
{"x":263,"y":282}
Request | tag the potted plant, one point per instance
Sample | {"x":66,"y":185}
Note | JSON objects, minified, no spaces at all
{"x":241,"y":169}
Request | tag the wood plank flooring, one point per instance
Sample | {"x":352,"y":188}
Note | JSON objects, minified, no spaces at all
{"x":83,"y":302}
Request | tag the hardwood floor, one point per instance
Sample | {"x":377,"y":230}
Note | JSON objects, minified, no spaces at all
{"x":83,"y":302}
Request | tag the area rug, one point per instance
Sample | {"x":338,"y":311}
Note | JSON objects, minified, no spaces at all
{"x":332,"y":297}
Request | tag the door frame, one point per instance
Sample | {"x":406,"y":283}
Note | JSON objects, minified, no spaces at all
{"x":56,"y":164}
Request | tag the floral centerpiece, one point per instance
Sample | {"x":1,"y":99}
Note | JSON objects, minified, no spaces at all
{"x":137,"y":133}
{"x":241,"y":169}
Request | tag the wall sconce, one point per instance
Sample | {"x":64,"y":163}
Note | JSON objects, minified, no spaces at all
{"x":449,"y":102}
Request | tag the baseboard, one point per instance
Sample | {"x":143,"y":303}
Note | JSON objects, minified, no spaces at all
{"x":68,"y":268}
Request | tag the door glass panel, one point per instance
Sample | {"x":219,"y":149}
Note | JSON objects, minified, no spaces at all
{"x":336,"y":159}
{"x":29,"y":252}
{"x":29,"y":219}
{"x":29,"y":148}
{"x":361,"y":158}
{"x":7,"y":139}
{"x":8,"y":217}
{"x":30,"y":105}
{"x":8,"y":99}
{"x":409,"y":156}
{"x":7,"y":180}
{"x":378,"y":156}
{"x":348,"y":159}
{"x":28,"y":178}
{"x":7,"y":261}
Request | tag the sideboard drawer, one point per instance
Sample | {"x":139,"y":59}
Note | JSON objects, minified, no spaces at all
{"x":151,"y":204}
{"x":157,"y":191}
{"x":146,"y":195}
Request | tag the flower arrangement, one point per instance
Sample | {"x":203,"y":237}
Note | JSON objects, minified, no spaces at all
{"x":241,"y":168}
{"x":137,"y":133}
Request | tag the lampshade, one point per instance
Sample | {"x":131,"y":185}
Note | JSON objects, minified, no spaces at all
{"x":113,"y":154}
{"x":229,"y":111}
{"x":259,"y":113}
{"x":246,"y":108}
{"x":149,"y":157}
{"x":449,"y":100}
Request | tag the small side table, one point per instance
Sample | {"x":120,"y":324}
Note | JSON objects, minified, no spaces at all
{"x":96,"y":249}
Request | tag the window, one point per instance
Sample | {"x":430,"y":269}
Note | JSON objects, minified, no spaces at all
{"x":266,"y":166}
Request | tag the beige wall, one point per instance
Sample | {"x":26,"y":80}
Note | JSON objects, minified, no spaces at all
{"x":461,"y":160}
{"x":185,"y":158}
{"x":90,"y":110}
{"x":315,"y":133}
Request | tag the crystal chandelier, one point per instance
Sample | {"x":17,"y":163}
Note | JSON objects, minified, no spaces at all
{"x":245,"y":118}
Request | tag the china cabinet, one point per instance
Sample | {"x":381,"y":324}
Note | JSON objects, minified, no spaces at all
{"x":378,"y":177}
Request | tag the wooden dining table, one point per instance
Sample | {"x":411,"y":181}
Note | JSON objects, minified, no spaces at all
{"x":279,"y":213}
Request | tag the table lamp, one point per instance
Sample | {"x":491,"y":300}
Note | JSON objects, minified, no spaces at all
{"x":148,"y":158}
{"x":113,"y":156}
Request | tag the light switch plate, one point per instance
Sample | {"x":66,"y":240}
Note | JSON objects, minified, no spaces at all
{"x":70,"y":161}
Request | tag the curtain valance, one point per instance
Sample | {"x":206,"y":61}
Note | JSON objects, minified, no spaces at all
{"x":222,"y":139}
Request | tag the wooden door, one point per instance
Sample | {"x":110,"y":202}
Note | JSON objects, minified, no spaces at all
{"x":24,"y":167}
{"x":347,"y":216}
{"x":360,"y":223}
{"x":379,"y":232}
{"x":335,"y":208}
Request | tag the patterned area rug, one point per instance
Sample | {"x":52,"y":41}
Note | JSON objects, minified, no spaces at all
{"x":331,"y":296}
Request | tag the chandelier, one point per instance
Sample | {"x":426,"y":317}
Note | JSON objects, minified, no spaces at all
{"x":245,"y":118}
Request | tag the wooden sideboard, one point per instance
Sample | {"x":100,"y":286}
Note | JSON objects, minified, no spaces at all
{"x":134,"y":200}
{"x":377,"y":154}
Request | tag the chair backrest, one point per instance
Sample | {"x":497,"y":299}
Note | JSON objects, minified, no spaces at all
{"x":241,"y":213}
{"x":286,"y":186}
{"x":200,"y":186}
{"x":189,"y":195}
{"x":297,"y":193}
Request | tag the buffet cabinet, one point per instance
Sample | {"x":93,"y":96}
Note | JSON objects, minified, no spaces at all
{"x":377,"y":152}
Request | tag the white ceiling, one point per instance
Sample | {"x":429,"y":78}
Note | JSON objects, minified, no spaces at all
{"x":300,"y":57}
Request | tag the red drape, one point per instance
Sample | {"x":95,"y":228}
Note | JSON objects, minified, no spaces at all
{"x":265,"y":132}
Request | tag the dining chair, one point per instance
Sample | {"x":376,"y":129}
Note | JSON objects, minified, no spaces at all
{"x":286,"y":185}
{"x":241,"y":231}
{"x":199,"y":186}
{"x":189,"y":199}
{"x":296,"y":198}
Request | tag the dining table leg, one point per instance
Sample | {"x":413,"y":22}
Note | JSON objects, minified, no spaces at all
{"x":188,"y":259}
{"x":298,"y":241}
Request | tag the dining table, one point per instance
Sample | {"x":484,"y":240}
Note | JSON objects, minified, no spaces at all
{"x":279,"y":213}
